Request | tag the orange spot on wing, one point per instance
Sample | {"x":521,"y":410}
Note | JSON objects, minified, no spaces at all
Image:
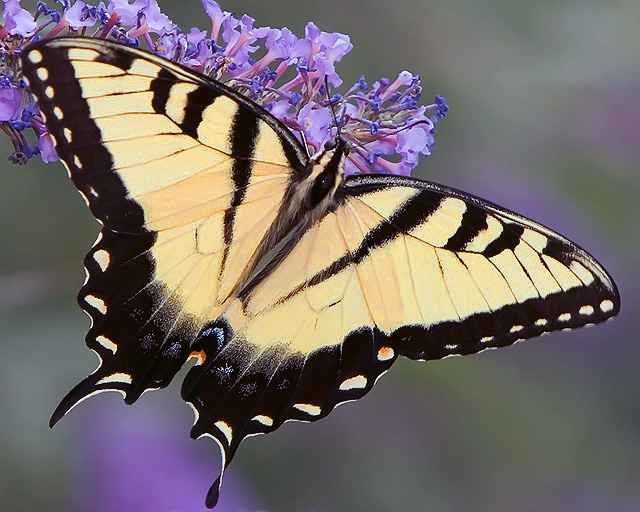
{"x":385,"y":353}
{"x":200,"y":357}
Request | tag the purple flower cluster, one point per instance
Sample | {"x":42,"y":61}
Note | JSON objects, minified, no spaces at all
{"x":383,"y":123}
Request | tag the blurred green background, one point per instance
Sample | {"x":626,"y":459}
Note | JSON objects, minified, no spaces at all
{"x":545,"y":120}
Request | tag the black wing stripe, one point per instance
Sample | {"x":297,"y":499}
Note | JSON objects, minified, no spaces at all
{"x":161,"y":88}
{"x":197,"y":101}
{"x":408,"y":216}
{"x":508,"y":239}
{"x":89,"y":163}
{"x":474,"y":220}
{"x":243,"y":136}
{"x":119,"y":59}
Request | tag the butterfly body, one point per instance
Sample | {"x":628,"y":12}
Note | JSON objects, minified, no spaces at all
{"x":292,"y":286}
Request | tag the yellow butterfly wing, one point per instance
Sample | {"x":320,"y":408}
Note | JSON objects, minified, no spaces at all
{"x":186,"y":176}
{"x":399,"y":267}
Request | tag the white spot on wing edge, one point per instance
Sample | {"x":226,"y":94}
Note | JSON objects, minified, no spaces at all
{"x":124,"y":378}
{"x":97,"y":303}
{"x":487,"y":339}
{"x":541,"y":322}
{"x":102,"y":258}
{"x":564,"y":317}
{"x":67,"y":134}
{"x":107,"y":343}
{"x":265,"y":420}
{"x":357,"y":382}
{"x":48,"y":92}
{"x":35,"y":57}
{"x":57,"y":111}
{"x":91,"y":327}
{"x":310,"y":409}
{"x":586,"y":310}
{"x":226,"y":430}
{"x":43,"y":74}
{"x":606,"y":306}
{"x":516,"y":328}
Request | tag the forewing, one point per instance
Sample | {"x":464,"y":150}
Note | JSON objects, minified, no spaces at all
{"x":186,"y":176}
{"x":400,"y":267}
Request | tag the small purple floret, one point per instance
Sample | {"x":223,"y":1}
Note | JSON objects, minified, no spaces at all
{"x":18,"y":21}
{"x":11,"y":103}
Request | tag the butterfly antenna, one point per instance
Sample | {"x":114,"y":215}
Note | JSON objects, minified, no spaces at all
{"x":304,"y":141}
{"x":338,"y":124}
{"x":358,"y":143}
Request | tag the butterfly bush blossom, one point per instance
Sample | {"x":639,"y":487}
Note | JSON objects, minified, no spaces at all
{"x":288,"y":75}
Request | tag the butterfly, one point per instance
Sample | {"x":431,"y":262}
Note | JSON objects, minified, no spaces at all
{"x":291,"y":286}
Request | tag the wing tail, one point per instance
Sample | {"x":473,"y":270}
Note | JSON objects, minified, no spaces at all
{"x":239,"y":391}
{"x":138,"y":331}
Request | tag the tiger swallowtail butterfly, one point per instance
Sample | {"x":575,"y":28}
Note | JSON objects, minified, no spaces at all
{"x":292,"y":286}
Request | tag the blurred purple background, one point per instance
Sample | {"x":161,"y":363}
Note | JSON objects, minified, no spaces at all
{"x":545,"y":102}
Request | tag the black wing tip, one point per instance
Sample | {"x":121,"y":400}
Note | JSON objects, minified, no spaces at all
{"x":213,"y":495}
{"x":91,"y":385}
{"x":56,"y":416}
{"x":72,"y":398}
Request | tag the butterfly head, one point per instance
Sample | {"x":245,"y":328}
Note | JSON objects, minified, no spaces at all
{"x":326,"y":173}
